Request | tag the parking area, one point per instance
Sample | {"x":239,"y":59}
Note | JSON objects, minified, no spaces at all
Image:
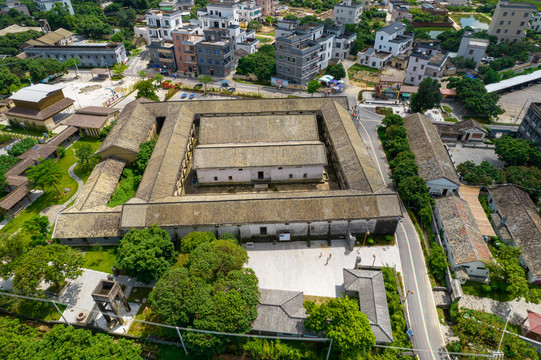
{"x":460,"y":154}
{"x":295,"y":266}
{"x":516,"y":103}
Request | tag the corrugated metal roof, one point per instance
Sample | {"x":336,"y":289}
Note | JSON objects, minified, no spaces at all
{"x":517,"y":80}
{"x":35,"y":93}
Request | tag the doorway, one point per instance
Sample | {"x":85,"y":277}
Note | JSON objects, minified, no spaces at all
{"x":260,"y":175}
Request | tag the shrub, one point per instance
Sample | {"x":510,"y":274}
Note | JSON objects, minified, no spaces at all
{"x":4,"y":138}
{"x":22,"y":146}
{"x":486,"y":288}
{"x":7,"y":162}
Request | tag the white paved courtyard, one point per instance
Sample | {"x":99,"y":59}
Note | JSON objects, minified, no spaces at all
{"x":295,"y":266}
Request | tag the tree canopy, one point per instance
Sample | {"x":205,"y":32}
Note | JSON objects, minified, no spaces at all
{"x":146,"y":254}
{"x":483,"y":174}
{"x":313,"y":86}
{"x":262,"y":63}
{"x":85,"y":154}
{"x":50,"y":263}
{"x":473,"y":95}
{"x":341,"y":320}
{"x":47,"y":173}
{"x":213,"y":292}
{"x":517,"y":152}
{"x":145,"y":89}
{"x":191,"y":241}
{"x":20,"y":341}
{"x":37,"y":228}
{"x":428,"y":96}
{"x":337,"y":71}
{"x":506,"y":274}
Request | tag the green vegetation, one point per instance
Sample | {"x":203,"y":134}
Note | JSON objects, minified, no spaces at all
{"x":337,"y":71}
{"x":517,"y":152}
{"x":355,"y":68}
{"x":191,"y":241}
{"x":21,"y":341}
{"x":83,"y":171}
{"x":213,"y":292}
{"x":341,"y":319}
{"x":132,"y":175}
{"x":313,"y":86}
{"x":146,"y":254}
{"x":145,"y":89}
{"x":483,"y":174}
{"x":100,"y":259}
{"x":276,"y":349}
{"x":474,"y":96}
{"x":480,"y":333}
{"x":420,"y":16}
{"x":11,"y":42}
{"x":262,"y":63}
{"x":45,"y":175}
{"x":21,"y":147}
{"x":428,"y":96}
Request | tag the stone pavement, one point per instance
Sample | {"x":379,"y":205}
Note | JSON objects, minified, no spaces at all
{"x":519,"y":307}
{"x":297,"y":267}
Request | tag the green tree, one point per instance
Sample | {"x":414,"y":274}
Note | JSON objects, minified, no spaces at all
{"x":119,"y":69}
{"x":491,"y":76}
{"x":92,"y":26}
{"x":37,"y":227}
{"x":50,"y":263}
{"x":404,"y":169}
{"x":73,"y":62}
{"x":313,"y":86}
{"x":392,"y":119}
{"x":271,"y":20}
{"x":7,"y":80}
{"x":211,"y":261}
{"x":529,"y":177}
{"x":506,"y":274}
{"x":337,"y":71}
{"x":21,"y":341}
{"x":117,"y":37}
{"x":142,"y":74}
{"x":22,"y":146}
{"x":428,"y":96}
{"x":158,"y":78}
{"x":12,"y":247}
{"x":414,"y":191}
{"x":205,"y":79}
{"x":60,"y":17}
{"x":517,"y":152}
{"x":147,"y":253}
{"x":437,"y":261}
{"x":85,"y":154}
{"x":194,"y":239}
{"x":47,"y":173}
{"x":145,"y":89}
{"x":473,"y":95}
{"x":341,"y":320}
{"x":483,"y":174}
{"x":262,"y":63}
{"x":254,"y":25}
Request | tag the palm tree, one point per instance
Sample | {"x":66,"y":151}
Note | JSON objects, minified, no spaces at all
{"x":46,"y":173}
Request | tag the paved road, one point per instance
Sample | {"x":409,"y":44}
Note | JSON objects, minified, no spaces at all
{"x":420,"y":304}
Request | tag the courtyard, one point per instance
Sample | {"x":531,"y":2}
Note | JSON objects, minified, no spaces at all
{"x":296,"y":267}
{"x":481,"y":152}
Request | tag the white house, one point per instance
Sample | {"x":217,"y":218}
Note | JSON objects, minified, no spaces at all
{"x":462,"y":239}
{"x":471,"y":48}
{"x":249,"y":11}
{"x":160,"y":23}
{"x":393,"y":39}
{"x":536,"y":22}
{"x":342,"y":41}
{"x":434,"y":163}
{"x":46,"y":5}
{"x":347,"y":13}
{"x":373,"y":58}
{"x":218,"y":16}
{"x":426,"y":61}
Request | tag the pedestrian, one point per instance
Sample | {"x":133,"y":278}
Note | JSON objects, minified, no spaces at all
{"x":330,"y":255}
{"x":320,"y":254}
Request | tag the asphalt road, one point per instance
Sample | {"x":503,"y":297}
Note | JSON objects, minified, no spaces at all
{"x":427,"y":335}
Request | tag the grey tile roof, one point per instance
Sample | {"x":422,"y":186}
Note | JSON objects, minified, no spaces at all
{"x":257,"y":128}
{"x":465,"y":241}
{"x":260,"y":155}
{"x":393,"y":28}
{"x":370,"y":287}
{"x":280,"y":311}
{"x":431,"y":156}
{"x":523,"y":223}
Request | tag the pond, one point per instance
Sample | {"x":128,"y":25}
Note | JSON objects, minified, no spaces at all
{"x":473,"y":20}
{"x":435,"y":31}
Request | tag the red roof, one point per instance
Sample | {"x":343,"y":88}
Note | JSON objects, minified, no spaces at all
{"x":534,"y":320}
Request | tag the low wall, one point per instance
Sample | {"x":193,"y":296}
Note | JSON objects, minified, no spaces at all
{"x":427,"y":24}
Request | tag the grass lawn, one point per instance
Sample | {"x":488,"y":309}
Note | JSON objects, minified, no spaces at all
{"x":100,"y":260}
{"x":353,"y":69}
{"x":262,"y":39}
{"x":21,"y":131}
{"x":144,"y":330}
{"x":50,"y":197}
{"x":272,"y":33}
{"x":474,"y":288}
{"x":36,"y":309}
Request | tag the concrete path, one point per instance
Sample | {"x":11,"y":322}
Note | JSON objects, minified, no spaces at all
{"x":297,"y":267}
{"x":519,"y":307}
{"x":52,"y":211}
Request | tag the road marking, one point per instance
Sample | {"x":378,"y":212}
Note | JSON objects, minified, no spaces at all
{"x":417,"y":295}
{"x":374,"y":152}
